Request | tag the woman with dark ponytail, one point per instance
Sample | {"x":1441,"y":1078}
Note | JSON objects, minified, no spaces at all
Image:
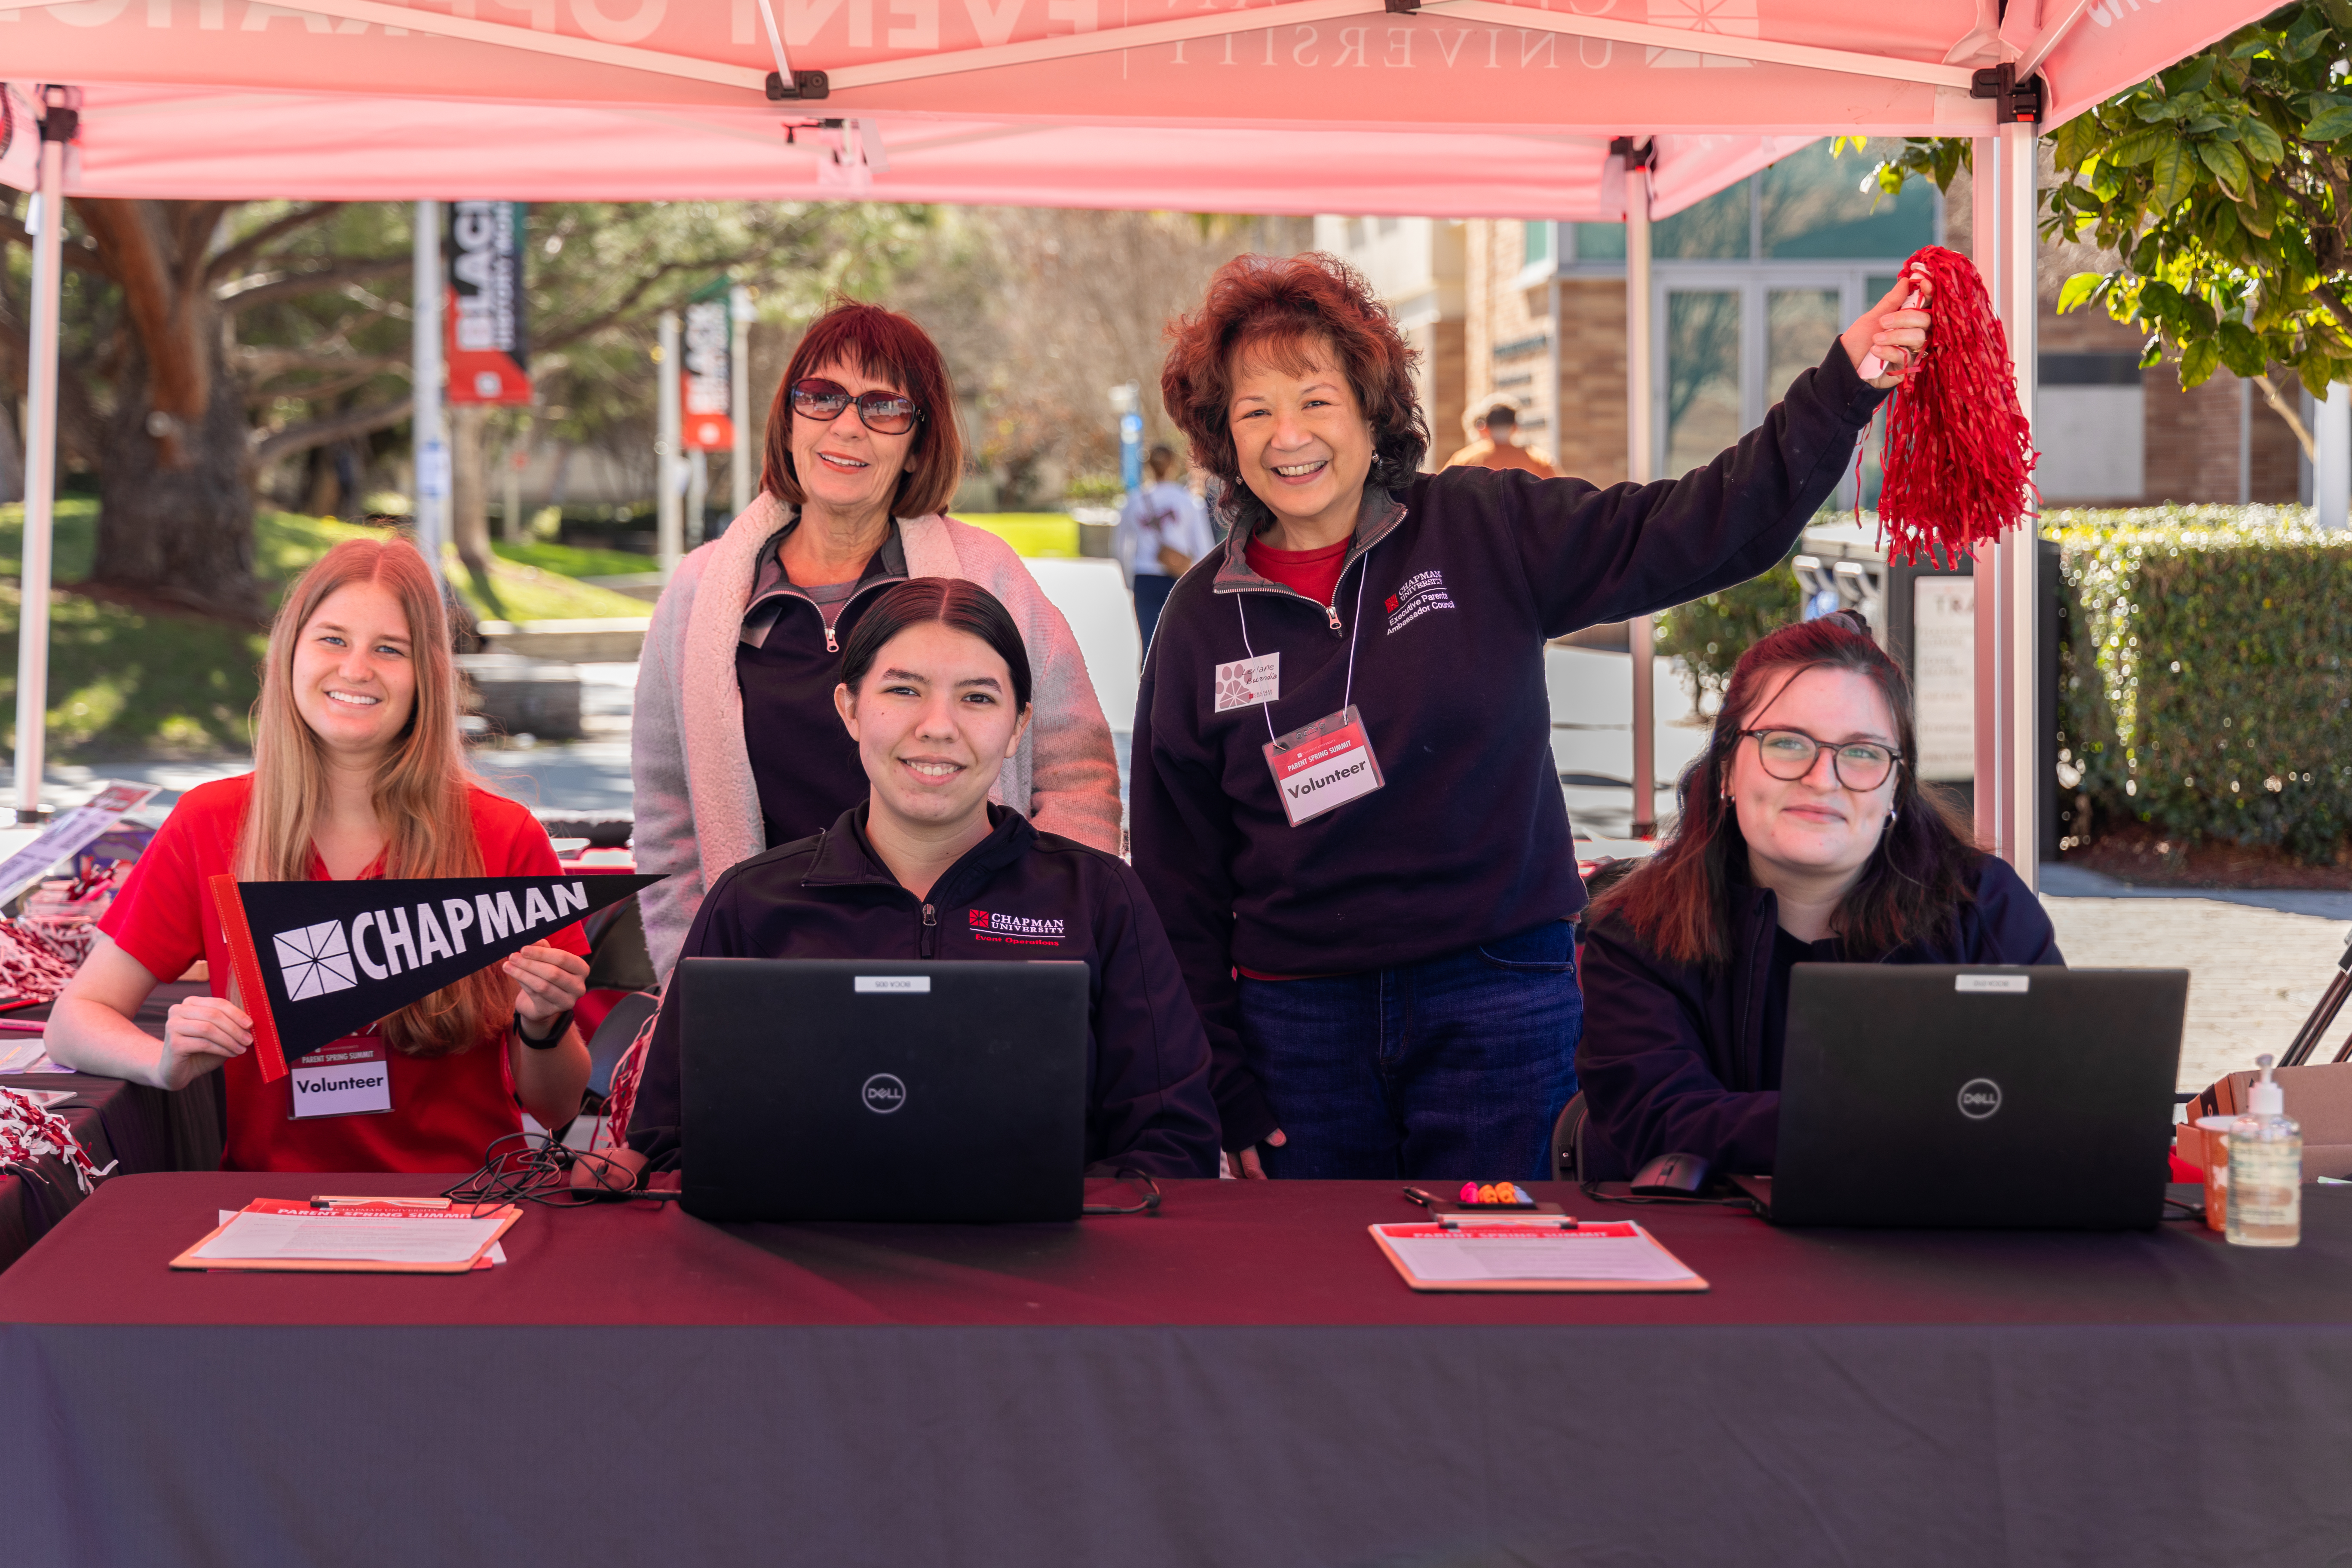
{"x":1804,"y":835}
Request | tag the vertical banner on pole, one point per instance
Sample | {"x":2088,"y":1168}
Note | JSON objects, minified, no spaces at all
{"x":705,"y":377}
{"x":490,"y":316}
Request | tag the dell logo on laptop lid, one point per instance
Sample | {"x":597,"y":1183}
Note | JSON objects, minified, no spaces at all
{"x":1980,"y":1097}
{"x":883,"y":1093}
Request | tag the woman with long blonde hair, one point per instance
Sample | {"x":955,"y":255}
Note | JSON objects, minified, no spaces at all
{"x":358,"y":773}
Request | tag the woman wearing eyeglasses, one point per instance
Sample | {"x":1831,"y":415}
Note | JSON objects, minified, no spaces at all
{"x":735,"y":744}
{"x":1804,"y":838}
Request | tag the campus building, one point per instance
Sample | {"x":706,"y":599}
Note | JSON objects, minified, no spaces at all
{"x":1749,"y":286}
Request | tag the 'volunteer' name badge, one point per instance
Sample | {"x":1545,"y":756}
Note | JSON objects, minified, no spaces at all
{"x":1325,"y":764}
{"x":1246,"y":682}
{"x":351,"y":1078}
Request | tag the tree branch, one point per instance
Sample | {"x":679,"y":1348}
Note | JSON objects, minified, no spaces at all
{"x":312,"y":390}
{"x":263,"y":360}
{"x":294,"y":285}
{"x":179,"y":375}
{"x":267,"y":449}
{"x":629,"y":301}
{"x":80,"y":255}
{"x":2286,"y":411}
{"x":234,"y":258}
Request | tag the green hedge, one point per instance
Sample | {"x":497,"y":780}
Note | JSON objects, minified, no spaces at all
{"x":2203,"y":684}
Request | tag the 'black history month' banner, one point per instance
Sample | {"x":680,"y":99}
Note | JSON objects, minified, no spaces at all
{"x":317,"y":961}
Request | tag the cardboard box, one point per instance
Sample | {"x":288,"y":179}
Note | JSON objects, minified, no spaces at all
{"x":2319,"y":1097}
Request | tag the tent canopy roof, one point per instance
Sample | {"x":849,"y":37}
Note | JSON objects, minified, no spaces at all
{"x":1461,"y":108}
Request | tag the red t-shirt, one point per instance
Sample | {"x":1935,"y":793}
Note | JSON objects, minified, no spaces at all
{"x":445,"y":1110}
{"x":1314,"y":573}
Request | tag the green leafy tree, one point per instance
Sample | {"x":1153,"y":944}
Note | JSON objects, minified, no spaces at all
{"x":2223,"y":187}
{"x":207,"y":342}
{"x":1709,"y":634}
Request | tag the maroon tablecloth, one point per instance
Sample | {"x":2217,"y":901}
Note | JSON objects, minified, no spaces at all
{"x":1240,"y":1379}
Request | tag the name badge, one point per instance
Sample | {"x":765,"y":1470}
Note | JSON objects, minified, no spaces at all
{"x":1328,"y":763}
{"x":1246,"y":682}
{"x":350,"y":1078}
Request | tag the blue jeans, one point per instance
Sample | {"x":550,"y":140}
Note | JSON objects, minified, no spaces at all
{"x":1453,"y":1068}
{"x":1151,"y":590}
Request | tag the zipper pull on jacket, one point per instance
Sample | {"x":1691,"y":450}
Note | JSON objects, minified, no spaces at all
{"x":831,"y":646}
{"x":928,"y":947}
{"x":1332,"y":611}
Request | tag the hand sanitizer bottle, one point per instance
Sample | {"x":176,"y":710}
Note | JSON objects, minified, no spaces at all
{"x":2265,"y":1169}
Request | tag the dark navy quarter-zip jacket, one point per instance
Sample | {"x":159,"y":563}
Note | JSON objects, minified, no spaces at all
{"x":1018,"y":895}
{"x":1436,"y":633}
{"x":1674,"y":1057}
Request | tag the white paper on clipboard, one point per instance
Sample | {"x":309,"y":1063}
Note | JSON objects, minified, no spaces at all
{"x":1618,"y":1256}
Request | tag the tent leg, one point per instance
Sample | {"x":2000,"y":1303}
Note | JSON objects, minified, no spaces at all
{"x":738,"y":376}
{"x":40,"y":477}
{"x":2021,"y":843}
{"x":669,"y":515}
{"x":1986,"y":213}
{"x":428,"y":440}
{"x":1639,"y":447}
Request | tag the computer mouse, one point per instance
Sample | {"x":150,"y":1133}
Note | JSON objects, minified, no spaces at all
{"x":1671,"y":1176}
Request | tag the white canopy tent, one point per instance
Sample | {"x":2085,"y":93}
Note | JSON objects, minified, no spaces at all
{"x":1452,"y":108}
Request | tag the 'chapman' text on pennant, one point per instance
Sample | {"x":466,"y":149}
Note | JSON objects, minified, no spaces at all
{"x":317,"y":961}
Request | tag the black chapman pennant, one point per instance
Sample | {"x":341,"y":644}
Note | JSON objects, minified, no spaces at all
{"x":317,"y":961}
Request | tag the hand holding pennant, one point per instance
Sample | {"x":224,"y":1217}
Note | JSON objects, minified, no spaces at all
{"x":317,"y":961}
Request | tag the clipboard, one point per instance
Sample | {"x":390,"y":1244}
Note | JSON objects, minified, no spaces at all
{"x":504,"y":1217}
{"x":1467,"y":1256}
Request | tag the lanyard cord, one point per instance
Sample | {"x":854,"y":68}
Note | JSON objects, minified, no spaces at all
{"x":1349,"y":694}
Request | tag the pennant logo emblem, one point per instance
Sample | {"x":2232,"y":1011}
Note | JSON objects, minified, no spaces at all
{"x":315,"y":961}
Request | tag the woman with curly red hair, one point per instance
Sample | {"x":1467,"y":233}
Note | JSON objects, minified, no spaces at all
{"x":1344,"y":801}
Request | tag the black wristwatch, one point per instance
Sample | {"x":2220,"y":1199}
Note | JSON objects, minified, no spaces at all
{"x":553,"y":1037}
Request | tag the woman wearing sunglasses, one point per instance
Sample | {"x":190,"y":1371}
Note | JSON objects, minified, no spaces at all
{"x":1804,"y":838}
{"x":735,"y":745}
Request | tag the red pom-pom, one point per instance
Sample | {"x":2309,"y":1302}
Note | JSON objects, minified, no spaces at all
{"x":1958,"y":457}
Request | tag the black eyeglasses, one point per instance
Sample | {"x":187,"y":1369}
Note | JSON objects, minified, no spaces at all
{"x":884,"y":412}
{"x":1788,"y":755}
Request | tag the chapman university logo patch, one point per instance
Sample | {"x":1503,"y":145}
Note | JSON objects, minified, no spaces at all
{"x":315,"y":960}
{"x":1015,"y":931}
{"x":1418,"y":597}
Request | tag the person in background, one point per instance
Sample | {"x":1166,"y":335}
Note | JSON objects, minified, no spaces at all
{"x":1495,"y":449}
{"x":934,"y":694}
{"x":357,"y":773}
{"x":1804,"y":837}
{"x":735,"y":745}
{"x":1345,"y":801}
{"x":1162,"y":529}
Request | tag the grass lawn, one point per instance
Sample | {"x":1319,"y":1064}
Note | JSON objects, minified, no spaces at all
{"x":123,"y":683}
{"x":569,"y":561}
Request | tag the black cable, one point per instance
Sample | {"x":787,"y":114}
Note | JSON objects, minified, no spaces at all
{"x":1150,"y":1197}
{"x":537,"y":1170}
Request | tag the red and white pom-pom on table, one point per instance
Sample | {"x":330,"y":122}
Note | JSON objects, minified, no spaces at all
{"x":28,"y":1133}
{"x":1958,"y":455}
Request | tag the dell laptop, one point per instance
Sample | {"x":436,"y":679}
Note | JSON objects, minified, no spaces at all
{"x":832,"y":1090}
{"x":1934,"y":1094}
